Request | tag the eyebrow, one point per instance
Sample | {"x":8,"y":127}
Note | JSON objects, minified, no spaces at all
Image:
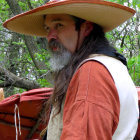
{"x":56,"y":20}
{"x":53,"y":20}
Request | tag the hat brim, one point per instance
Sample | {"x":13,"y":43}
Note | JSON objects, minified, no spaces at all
{"x":107,"y":14}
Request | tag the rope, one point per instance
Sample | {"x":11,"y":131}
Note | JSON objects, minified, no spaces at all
{"x":17,"y":109}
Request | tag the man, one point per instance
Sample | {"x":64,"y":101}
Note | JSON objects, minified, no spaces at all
{"x":94,"y":97}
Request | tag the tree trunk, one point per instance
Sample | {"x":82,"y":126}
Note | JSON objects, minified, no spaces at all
{"x":15,"y":8}
{"x":11,"y":79}
{"x":12,"y":55}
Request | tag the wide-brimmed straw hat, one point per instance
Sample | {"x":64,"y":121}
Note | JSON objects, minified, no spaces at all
{"x":108,"y":15}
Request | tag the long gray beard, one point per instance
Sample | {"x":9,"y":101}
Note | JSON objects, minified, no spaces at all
{"x":58,"y":61}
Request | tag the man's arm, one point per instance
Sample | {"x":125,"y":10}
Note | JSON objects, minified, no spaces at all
{"x":91,"y":110}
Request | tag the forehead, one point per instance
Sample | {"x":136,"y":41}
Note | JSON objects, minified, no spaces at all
{"x":52,"y":18}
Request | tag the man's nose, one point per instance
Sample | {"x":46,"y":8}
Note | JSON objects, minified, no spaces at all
{"x":52,"y":35}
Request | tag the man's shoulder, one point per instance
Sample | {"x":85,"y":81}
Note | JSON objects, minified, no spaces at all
{"x":92,"y":68}
{"x":96,"y":61}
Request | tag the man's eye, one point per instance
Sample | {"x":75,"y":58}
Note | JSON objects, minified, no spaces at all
{"x":59,"y":25}
{"x":47,"y":29}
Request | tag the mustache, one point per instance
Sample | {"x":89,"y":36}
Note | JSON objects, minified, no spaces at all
{"x":55,"y":43}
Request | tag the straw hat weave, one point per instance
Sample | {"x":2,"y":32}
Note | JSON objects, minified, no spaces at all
{"x":109,"y":15}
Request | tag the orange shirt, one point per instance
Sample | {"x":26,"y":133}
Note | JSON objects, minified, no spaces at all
{"x":91,"y":110}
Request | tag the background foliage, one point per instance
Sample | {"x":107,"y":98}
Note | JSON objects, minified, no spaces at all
{"x":24,"y":59}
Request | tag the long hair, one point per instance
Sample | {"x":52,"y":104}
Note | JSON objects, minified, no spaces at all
{"x":94,"y":43}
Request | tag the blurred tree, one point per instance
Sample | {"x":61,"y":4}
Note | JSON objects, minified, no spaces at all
{"x":23,"y":56}
{"x":126,"y":39}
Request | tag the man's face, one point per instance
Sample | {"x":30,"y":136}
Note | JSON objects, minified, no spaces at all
{"x":62,"y":39}
{"x":61,"y":27}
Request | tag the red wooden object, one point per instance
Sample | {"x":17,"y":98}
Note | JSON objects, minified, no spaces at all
{"x":29,"y":104}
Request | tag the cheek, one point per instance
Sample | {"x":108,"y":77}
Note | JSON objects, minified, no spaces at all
{"x":68,"y":38}
{"x":72,"y":35}
{"x":70,"y":42}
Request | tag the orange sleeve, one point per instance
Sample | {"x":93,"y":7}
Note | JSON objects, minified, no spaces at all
{"x":91,"y":110}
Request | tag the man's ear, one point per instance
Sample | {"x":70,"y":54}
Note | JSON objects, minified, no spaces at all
{"x":88,"y":28}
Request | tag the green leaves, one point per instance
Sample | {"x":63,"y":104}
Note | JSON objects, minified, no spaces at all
{"x":134,"y":69}
{"x":135,"y":3}
{"x":44,"y":83}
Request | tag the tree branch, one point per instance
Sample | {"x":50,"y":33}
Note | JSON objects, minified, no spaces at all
{"x":29,"y":4}
{"x":16,"y":81}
